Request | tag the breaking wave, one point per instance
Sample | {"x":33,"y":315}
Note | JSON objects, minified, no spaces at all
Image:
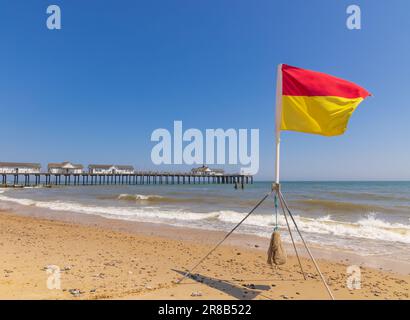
{"x":138,"y":197}
{"x":179,"y":198}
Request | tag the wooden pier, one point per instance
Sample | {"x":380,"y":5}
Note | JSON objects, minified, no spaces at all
{"x":139,"y":178}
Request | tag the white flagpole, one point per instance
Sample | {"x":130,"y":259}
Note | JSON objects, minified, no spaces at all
{"x":278,"y":119}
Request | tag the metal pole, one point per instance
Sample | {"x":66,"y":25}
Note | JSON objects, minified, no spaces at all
{"x":307,"y":248}
{"x":278,"y":119}
{"x":277,"y":163}
{"x":290,"y":233}
{"x":226,"y":237}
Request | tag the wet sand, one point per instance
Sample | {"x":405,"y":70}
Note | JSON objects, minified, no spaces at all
{"x":109,"y":259}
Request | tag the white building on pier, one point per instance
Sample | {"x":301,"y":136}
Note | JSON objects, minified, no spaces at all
{"x":19,"y":167}
{"x":65,"y":168}
{"x":206,"y":171}
{"x":110,"y":169}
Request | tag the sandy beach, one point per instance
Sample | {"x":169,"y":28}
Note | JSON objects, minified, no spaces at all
{"x":110,"y":259}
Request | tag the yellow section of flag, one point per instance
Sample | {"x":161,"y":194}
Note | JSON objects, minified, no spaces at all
{"x":326,"y":116}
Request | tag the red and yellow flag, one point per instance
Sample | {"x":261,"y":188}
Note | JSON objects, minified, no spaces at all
{"x":315,"y":102}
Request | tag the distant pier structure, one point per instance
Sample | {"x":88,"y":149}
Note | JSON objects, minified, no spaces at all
{"x":15,"y":174}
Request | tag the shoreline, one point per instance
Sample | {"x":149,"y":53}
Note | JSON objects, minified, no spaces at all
{"x":361,"y":231}
{"x":202,"y":235}
{"x":113,"y":259}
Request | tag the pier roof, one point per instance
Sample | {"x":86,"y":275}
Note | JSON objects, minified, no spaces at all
{"x":20,"y":164}
{"x":102,"y":166}
{"x":108,"y":166}
{"x":65,"y":164}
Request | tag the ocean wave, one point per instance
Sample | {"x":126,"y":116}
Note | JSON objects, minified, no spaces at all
{"x":142,"y":198}
{"x":368,"y":196}
{"x":110,"y":211}
{"x":367,"y":227}
{"x":138,"y":197}
{"x":339,"y":206}
{"x":182,"y":199}
{"x":153,"y":198}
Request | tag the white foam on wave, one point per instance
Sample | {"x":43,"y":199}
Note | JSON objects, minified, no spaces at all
{"x":368,"y":227}
{"x":108,"y":211}
{"x":126,"y":196}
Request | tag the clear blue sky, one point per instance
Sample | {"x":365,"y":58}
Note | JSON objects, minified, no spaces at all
{"x":95,"y":90}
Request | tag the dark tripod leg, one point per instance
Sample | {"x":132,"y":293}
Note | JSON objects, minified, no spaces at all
{"x":226,"y":237}
{"x":307,"y":248}
{"x":291,"y":236}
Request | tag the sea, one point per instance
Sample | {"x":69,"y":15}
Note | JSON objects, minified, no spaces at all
{"x":365,"y":218}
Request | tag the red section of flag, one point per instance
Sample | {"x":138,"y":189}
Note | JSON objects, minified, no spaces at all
{"x":301,"y":82}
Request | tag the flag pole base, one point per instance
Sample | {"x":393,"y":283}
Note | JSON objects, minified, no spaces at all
{"x":276,"y":187}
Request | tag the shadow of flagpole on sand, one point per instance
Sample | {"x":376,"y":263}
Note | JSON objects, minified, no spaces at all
{"x":247,"y":292}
